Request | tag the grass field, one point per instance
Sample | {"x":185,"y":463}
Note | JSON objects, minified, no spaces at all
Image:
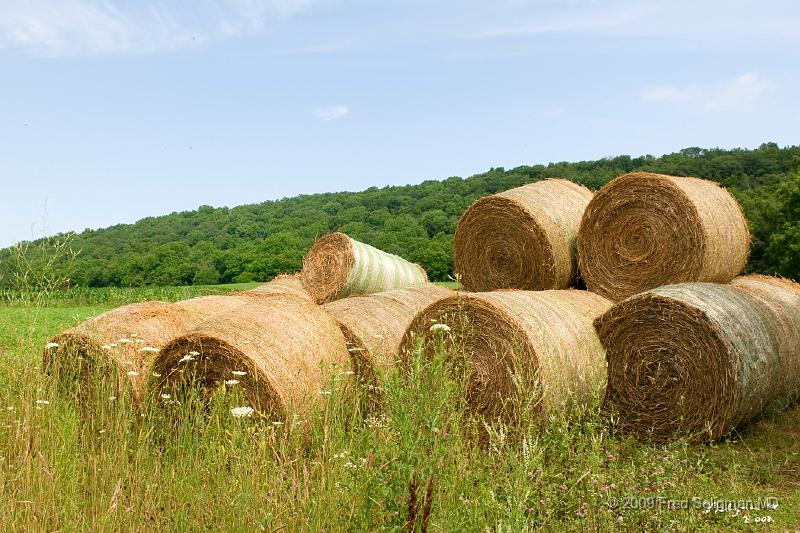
{"x":415,"y":462}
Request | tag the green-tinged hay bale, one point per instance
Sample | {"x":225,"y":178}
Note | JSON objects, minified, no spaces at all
{"x":534,"y":347}
{"x":338,"y":266}
{"x":523,"y":238}
{"x":125,"y":340}
{"x":781,"y":300}
{"x":283,"y":285}
{"x":696,"y":360}
{"x":645,"y":230}
{"x":281,"y":350}
{"x":374,"y":325}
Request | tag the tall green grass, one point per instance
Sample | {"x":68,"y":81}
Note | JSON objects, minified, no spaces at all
{"x":414,"y":461}
{"x":114,"y":295}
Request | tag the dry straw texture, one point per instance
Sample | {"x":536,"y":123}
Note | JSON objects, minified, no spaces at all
{"x":523,"y":238}
{"x":698,"y":359}
{"x":286,"y":347}
{"x":517,"y":347}
{"x":126,"y":338}
{"x":374,"y":325}
{"x":285,"y":284}
{"x":645,"y":230}
{"x":338,"y":266}
{"x":780,"y":300}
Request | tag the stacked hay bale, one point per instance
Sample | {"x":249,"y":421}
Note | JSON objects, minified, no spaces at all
{"x":645,"y":230}
{"x":698,"y":359}
{"x":338,"y":266}
{"x":523,"y":238}
{"x":516,"y":347}
{"x":374,"y":325}
{"x":282,"y":351}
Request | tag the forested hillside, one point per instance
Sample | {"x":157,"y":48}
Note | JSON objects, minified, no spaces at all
{"x":255,"y":242}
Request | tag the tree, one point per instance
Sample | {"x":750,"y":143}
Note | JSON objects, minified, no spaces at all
{"x":783,"y":253}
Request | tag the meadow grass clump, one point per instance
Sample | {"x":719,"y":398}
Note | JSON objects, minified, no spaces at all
{"x":417,"y":460}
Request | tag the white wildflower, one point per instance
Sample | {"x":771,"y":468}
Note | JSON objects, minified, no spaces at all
{"x":166,"y":396}
{"x":132,"y":373}
{"x":10,"y":408}
{"x":239,"y":373}
{"x":232,"y":382}
{"x":277,"y":423}
{"x":51,"y":345}
{"x":156,"y":375}
{"x":149,"y":349}
{"x":124,"y":341}
{"x":103,"y":431}
{"x":42,"y":402}
{"x":242,"y":412}
{"x":440,"y":327}
{"x":193,"y":353}
{"x":325,"y":392}
{"x":186,"y":358}
{"x":112,"y":398}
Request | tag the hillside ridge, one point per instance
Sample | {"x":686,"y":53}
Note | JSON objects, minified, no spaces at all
{"x":254,"y":242}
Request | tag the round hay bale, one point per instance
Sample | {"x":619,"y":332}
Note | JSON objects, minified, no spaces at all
{"x":698,"y":359}
{"x":523,"y":238}
{"x":126,"y":339}
{"x":534,"y":346}
{"x":374,"y":325}
{"x":281,"y":350}
{"x":338,"y":266}
{"x":645,"y":230}
{"x":780,"y":298}
{"x":284,"y":284}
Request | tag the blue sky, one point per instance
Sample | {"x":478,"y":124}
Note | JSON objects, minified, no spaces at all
{"x":111,"y":111}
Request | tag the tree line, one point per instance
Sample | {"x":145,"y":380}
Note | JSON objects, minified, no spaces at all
{"x":256,"y":242}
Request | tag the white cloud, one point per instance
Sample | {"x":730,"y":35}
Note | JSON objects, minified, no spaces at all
{"x":737,"y":93}
{"x":572,"y":21}
{"x":555,"y":112}
{"x":72,"y":27}
{"x":332,"y":112}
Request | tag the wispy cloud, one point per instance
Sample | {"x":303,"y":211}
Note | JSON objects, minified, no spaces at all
{"x":555,"y":112}
{"x":737,"y":93}
{"x":332,"y":112}
{"x":60,"y":27}
{"x":571,"y":21}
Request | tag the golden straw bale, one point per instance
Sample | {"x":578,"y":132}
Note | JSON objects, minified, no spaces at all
{"x":645,"y":230}
{"x":284,"y":284}
{"x":282,"y":351}
{"x":374,"y":325}
{"x":515,"y":345}
{"x":523,"y":238}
